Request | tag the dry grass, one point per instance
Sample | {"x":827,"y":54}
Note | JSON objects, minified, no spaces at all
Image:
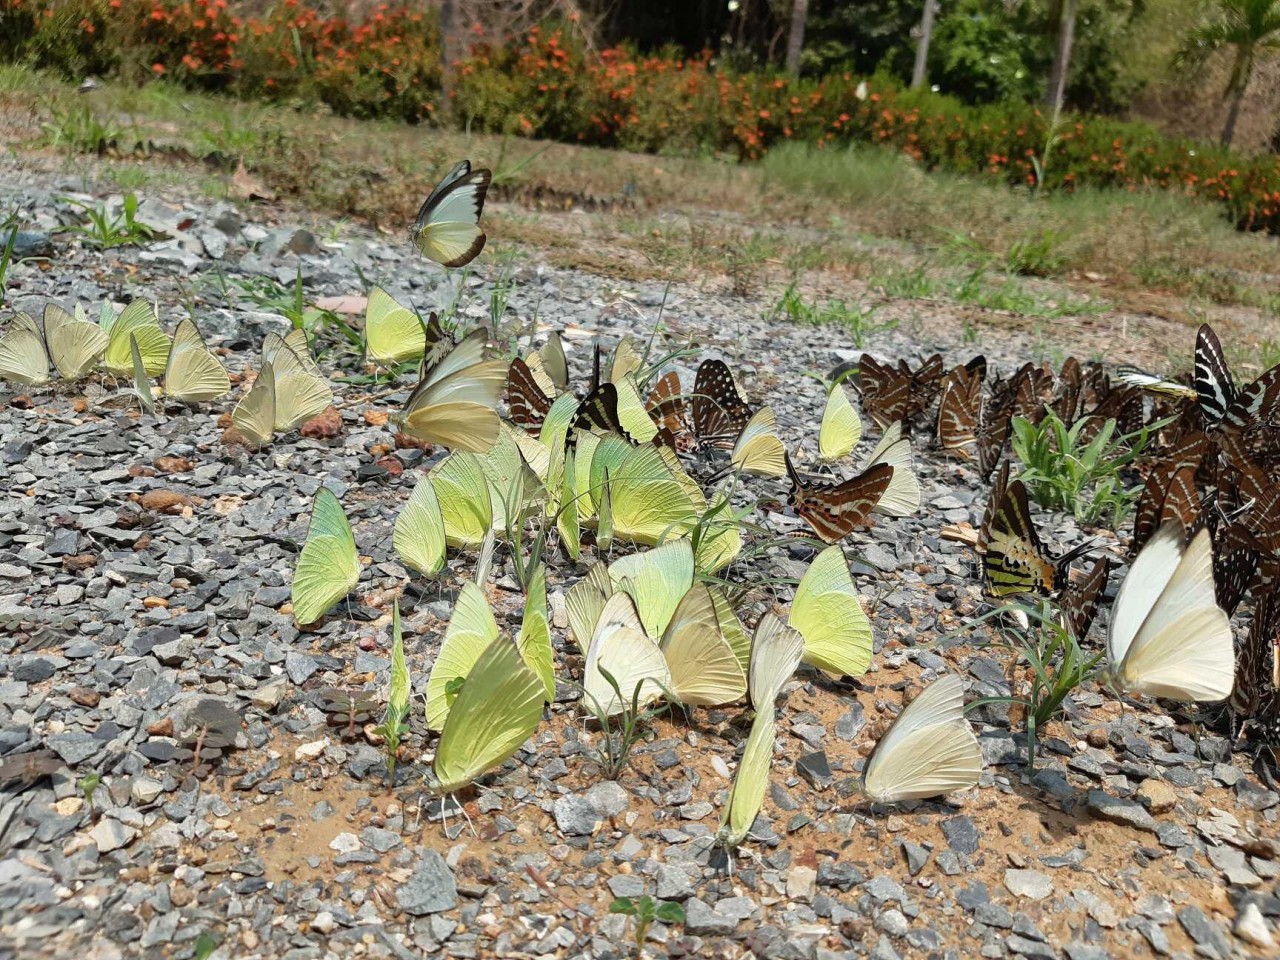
{"x":822,"y":219}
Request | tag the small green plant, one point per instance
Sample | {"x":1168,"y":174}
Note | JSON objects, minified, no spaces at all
{"x":622,"y":732}
{"x":1055,"y":665}
{"x":89,"y":785}
{"x":104,"y":230}
{"x":645,"y":910}
{"x":290,"y":302}
{"x":905,"y":284}
{"x":1039,"y":255}
{"x":395,"y":723}
{"x":10,"y":228}
{"x":1268,"y":352}
{"x":855,"y":318}
{"x":79,"y":130}
{"x":1082,"y":476}
{"x":205,"y":945}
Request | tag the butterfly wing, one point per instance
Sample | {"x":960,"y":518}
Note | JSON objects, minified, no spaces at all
{"x":553,"y":358}
{"x":392,"y":332}
{"x":498,"y":708}
{"x":620,"y":646}
{"x":1016,"y":562}
{"x":137,"y":320}
{"x":704,"y":668}
{"x":902,"y":498}
{"x":758,"y":449}
{"x":301,"y":394}
{"x":255,"y":415}
{"x":657,"y":579}
{"x":833,"y":511}
{"x":1080,"y":602}
{"x":141,"y":385}
{"x":1183,"y":649}
{"x":193,"y":374}
{"x":534,"y":640}
{"x":419,"y":532}
{"x":447,"y":229}
{"x":75,"y":345}
{"x":466,"y":501}
{"x":718,"y":410}
{"x":1215,"y":387}
{"x":23,"y":358}
{"x":328,"y":566}
{"x":958,"y":409}
{"x":828,"y":614}
{"x":929,"y":751}
{"x":471,"y":629}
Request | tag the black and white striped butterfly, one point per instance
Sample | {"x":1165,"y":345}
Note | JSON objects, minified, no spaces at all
{"x":448,"y":226}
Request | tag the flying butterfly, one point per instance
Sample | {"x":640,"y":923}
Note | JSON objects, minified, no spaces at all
{"x":718,"y":410}
{"x":447,"y":229}
{"x":834,"y":510}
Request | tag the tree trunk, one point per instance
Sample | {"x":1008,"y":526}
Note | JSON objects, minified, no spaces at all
{"x":1061,"y":59}
{"x":920,"y":73}
{"x":795,"y":39}
{"x":1241,"y":73}
{"x":1233,"y":114}
{"x":448,"y":54}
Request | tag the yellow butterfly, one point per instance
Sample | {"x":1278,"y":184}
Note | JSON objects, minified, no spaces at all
{"x":453,"y":403}
{"x":23,"y":357}
{"x":75,"y":344}
{"x":138,"y":321}
{"x":447,"y":229}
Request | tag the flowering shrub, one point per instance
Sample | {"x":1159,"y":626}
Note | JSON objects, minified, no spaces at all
{"x":548,"y":84}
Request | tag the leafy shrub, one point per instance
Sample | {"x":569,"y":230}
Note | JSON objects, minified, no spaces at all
{"x":547,"y":83}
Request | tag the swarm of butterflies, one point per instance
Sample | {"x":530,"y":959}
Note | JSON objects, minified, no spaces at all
{"x":621,"y":460}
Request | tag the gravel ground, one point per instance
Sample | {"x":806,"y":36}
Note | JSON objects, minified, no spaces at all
{"x":143,"y":571}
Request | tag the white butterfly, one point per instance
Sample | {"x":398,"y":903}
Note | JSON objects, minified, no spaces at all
{"x":448,"y":226}
{"x":1168,"y":637}
{"x":930,"y":749}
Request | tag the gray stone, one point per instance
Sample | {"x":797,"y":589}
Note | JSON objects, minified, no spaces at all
{"x":1028,"y":884}
{"x":892,"y":922}
{"x":1252,"y":928}
{"x":703,"y":920}
{"x":110,"y":834}
{"x":961,"y":834}
{"x":1209,"y":936}
{"x":430,"y":889}
{"x":579,"y":814}
{"x":673,"y":883}
{"x":1125,"y":812}
{"x":627,"y":885}
{"x":917,"y":857}
{"x":850,"y":723}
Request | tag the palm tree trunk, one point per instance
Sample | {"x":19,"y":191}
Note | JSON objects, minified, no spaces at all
{"x":920,"y":72}
{"x":1056,"y":91}
{"x":1233,"y":115}
{"x":795,"y":39}
{"x":1241,"y":74}
{"x":448,"y":54}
